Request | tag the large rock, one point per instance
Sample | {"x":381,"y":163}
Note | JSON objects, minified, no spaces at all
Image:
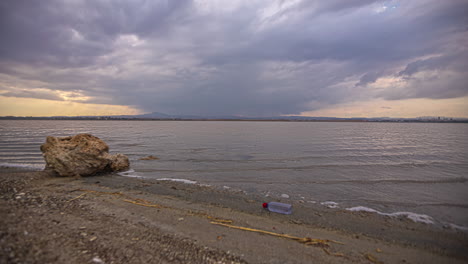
{"x":81,"y":155}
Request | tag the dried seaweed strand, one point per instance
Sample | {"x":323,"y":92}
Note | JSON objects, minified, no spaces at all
{"x":219,"y":220}
{"x":304,"y":240}
{"x":79,"y":196}
{"x":373,"y":259}
{"x":336,"y":254}
{"x":100,"y":192}
{"x":118,"y":194}
{"x":145,"y":204}
{"x":212,"y":218}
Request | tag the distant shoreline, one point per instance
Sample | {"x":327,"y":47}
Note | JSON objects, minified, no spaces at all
{"x":103,"y":118}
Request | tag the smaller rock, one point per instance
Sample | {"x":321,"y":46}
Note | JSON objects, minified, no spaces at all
{"x":150,"y":157}
{"x":118,"y":162}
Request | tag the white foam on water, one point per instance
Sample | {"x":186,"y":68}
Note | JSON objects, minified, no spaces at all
{"x":362,"y":209}
{"x":330,"y":204}
{"x":284,"y":196}
{"x":421,"y":218}
{"x":23,"y":166}
{"x":461,"y":228}
{"x":415,"y":217}
{"x":178,"y":180}
{"x":129,"y":173}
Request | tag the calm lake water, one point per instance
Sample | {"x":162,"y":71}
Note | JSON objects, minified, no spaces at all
{"x":389,"y":167}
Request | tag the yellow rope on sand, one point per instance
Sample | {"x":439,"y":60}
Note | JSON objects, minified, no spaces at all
{"x":212,"y":218}
{"x":79,"y":196}
{"x":304,"y":240}
{"x":142,"y":202}
{"x":219,"y":220}
{"x":145,"y":204}
{"x":371,"y":258}
{"x":336,"y":254}
{"x":129,"y":199}
{"x":100,"y":192}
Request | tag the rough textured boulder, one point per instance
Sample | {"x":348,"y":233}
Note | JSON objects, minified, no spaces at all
{"x":81,"y":155}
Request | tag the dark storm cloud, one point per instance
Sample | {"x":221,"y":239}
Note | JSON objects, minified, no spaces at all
{"x":451,"y":61}
{"x":74,"y":33}
{"x":244,"y":58}
{"x":367,"y":78}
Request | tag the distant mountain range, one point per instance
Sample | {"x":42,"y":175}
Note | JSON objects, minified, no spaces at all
{"x":162,"y":116}
{"x":157,"y":115}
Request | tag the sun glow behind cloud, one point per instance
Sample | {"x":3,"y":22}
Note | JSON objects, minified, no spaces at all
{"x":409,"y":108}
{"x":10,"y":106}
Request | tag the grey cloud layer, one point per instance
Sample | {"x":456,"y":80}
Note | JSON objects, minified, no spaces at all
{"x":187,"y":57}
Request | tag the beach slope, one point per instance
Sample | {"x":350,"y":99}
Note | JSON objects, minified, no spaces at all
{"x":114,"y":219}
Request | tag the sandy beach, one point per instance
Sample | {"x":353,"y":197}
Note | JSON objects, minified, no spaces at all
{"x":115,"y":219}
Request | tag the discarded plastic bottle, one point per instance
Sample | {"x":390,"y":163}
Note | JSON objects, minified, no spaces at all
{"x":280,"y":208}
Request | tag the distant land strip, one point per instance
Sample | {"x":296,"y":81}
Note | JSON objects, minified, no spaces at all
{"x":276,"y":119}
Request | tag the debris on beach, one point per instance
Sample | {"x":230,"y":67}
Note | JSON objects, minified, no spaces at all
{"x":97,"y":260}
{"x":150,"y":157}
{"x":304,"y":240}
{"x":336,"y":254}
{"x":372,"y":258}
{"x":81,"y":155}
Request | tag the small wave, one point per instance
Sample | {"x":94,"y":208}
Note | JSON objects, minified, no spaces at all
{"x":165,"y":135}
{"x":362,"y":209}
{"x":128,"y":144}
{"x":407,"y":203}
{"x":330,"y":204}
{"x":20,"y":142}
{"x":19,"y":159}
{"x":448,"y":180}
{"x":457,"y":227}
{"x":178,"y":180}
{"x":23,"y":166}
{"x":421,"y":218}
{"x":129,"y":173}
{"x":303,"y":168}
{"x":6,"y":153}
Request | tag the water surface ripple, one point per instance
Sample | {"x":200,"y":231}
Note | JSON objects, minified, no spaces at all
{"x":390,"y":167}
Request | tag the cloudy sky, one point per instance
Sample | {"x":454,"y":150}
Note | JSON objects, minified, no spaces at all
{"x":250,"y":58}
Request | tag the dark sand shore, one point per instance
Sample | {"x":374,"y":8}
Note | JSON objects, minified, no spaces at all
{"x":114,"y":219}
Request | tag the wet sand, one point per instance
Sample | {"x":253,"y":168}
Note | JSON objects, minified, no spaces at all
{"x":114,"y":219}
